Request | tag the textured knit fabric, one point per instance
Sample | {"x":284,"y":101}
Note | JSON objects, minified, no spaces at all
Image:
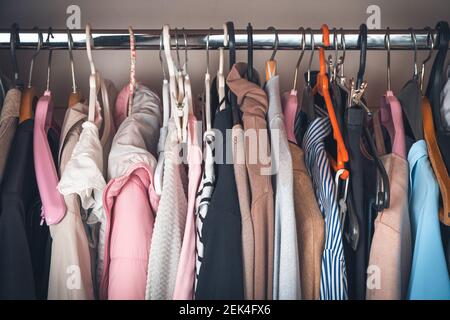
{"x":243,"y":190}
{"x":333,"y":283}
{"x":253,"y":103}
{"x":8,"y":123}
{"x":204,"y":193}
{"x":221,"y":272}
{"x":390,"y":253}
{"x":310,"y":227}
{"x":170,"y":224}
{"x":286,"y":273}
{"x":129,"y":223}
{"x":70,"y":244}
{"x":25,"y":245}
{"x":184,"y":286}
{"x":429,"y":274}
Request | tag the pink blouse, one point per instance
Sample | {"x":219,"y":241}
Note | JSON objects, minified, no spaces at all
{"x":289,"y":111}
{"x":184,"y":286}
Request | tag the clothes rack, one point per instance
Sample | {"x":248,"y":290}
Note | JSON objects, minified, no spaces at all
{"x":289,"y":39}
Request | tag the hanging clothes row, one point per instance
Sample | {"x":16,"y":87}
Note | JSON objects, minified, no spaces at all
{"x":248,"y":193}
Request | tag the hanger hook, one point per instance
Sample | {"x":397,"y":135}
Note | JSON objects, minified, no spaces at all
{"x":387,"y":43}
{"x":303,"y":44}
{"x":431,"y":44}
{"x":185,"y":50}
{"x":275,"y":44}
{"x":414,"y":41}
{"x":176,"y":49}
{"x":50,"y":53}
{"x":207,"y":50}
{"x":336,"y":53}
{"x":89,"y":44}
{"x":72,"y":68}
{"x":14,"y":40}
{"x":38,"y":49}
{"x":311,"y":56}
{"x":161,"y":56}
{"x":343,"y":46}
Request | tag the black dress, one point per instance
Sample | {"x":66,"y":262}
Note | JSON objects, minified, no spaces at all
{"x":221,"y":274}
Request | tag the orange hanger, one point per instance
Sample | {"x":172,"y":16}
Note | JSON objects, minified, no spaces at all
{"x":271,"y":64}
{"x":321,"y":87}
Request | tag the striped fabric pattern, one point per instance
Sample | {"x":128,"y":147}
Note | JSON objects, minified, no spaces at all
{"x":333,"y":282}
{"x":204,"y":193}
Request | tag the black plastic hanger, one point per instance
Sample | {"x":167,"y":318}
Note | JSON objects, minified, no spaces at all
{"x":362,"y":45}
{"x":14,"y":40}
{"x":410,"y":98}
{"x":383,"y":197}
{"x":250,"y":53}
{"x":435,"y":84}
{"x":232,"y":51}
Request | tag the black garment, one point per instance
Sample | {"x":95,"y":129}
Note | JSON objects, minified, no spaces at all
{"x":25,"y":245}
{"x":410,"y":99}
{"x":356,"y":258}
{"x":221,"y":274}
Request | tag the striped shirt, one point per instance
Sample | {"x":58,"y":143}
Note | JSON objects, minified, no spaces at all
{"x":333,"y":282}
{"x":204,"y":193}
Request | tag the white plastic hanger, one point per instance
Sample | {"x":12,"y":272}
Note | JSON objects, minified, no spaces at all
{"x":220,"y":75}
{"x":207,"y":89}
{"x":177,"y":98}
{"x":93,"y":78}
{"x":187,"y":84}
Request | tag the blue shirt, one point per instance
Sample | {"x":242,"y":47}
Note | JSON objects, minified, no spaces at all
{"x":333,"y":281}
{"x":429,"y":275}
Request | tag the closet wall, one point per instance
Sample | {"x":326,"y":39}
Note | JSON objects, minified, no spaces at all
{"x":211,"y":13}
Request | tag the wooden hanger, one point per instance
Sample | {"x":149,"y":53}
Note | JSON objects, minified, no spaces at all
{"x":434,"y":153}
{"x":75,"y":96}
{"x":271,"y":64}
{"x":30,"y":94}
{"x":439,"y":168}
{"x":322,"y":88}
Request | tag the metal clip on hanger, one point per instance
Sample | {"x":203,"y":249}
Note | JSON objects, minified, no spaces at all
{"x":271,"y":64}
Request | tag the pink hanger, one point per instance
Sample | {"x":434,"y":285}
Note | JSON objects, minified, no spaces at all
{"x":53,"y":206}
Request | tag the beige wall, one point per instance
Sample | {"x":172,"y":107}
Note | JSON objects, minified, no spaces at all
{"x":212,"y":13}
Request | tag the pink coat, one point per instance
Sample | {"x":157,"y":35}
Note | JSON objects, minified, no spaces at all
{"x":130,"y":204}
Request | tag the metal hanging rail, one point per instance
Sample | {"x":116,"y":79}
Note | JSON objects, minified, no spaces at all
{"x":149,"y":39}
